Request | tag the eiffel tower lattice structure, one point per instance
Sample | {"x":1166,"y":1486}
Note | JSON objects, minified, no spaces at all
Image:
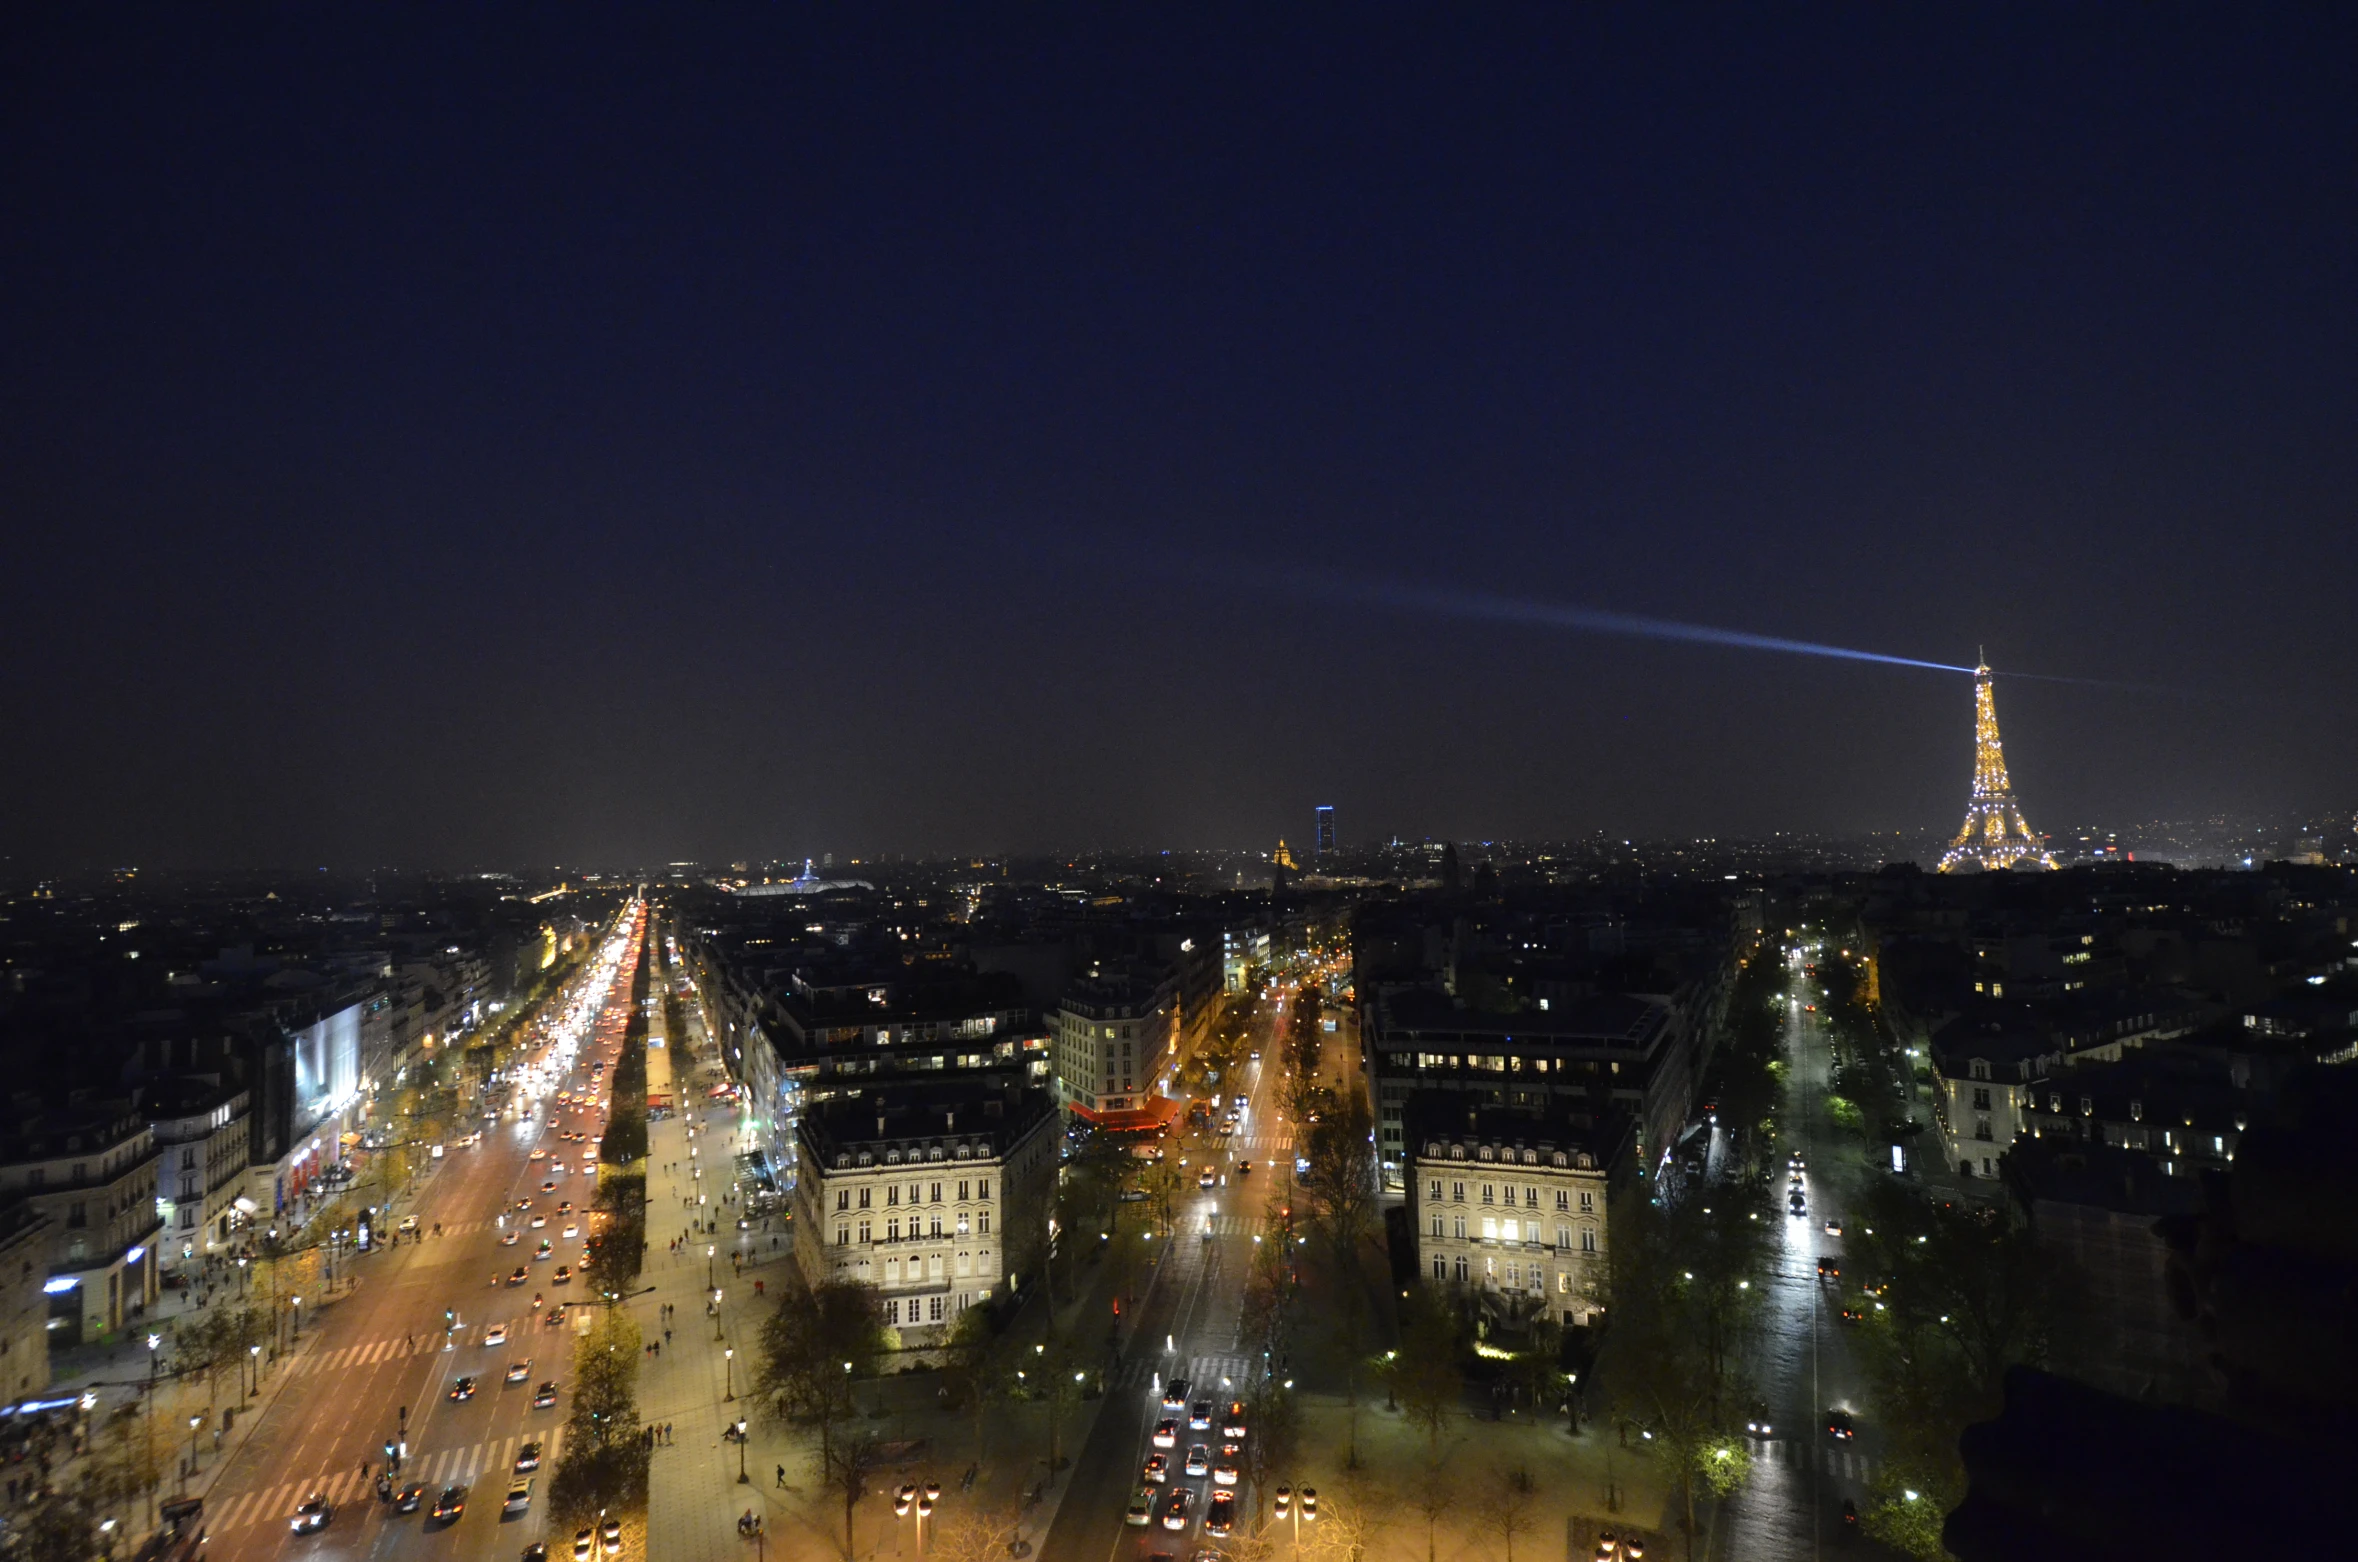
{"x":1995,"y":833}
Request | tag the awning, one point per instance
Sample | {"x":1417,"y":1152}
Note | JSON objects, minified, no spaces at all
{"x":1158,"y":1113}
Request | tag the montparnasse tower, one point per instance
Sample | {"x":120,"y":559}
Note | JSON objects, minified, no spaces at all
{"x":1995,"y":834}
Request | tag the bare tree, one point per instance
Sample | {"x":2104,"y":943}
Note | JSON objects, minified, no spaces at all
{"x":1510,"y":1514}
{"x":1435,"y":1498}
{"x":851,"y":1462}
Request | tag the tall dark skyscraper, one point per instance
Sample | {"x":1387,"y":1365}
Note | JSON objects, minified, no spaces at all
{"x":1326,"y":829}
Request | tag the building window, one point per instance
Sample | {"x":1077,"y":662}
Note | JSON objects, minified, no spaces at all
{"x":1486,"y":1194}
{"x":843,"y":1198}
{"x":864,"y":1236}
{"x":933,"y":1308}
{"x":983,"y":1192}
{"x":1588,"y":1201}
{"x":1981,"y":1128}
{"x":1981,"y":1098}
{"x":1531,"y":1198}
{"x":1563,"y":1236}
{"x":864,"y":1198}
{"x":1435,"y":1194}
{"x":1460,"y":1227}
{"x":843,"y":1236}
{"x":1436,"y":1225}
{"x":1588,"y":1239}
{"x":1461,"y":1269}
{"x":892,"y":1229}
{"x":1440,"y":1268}
{"x":982,"y":1223}
{"x":1457,"y":1193}
{"x":1563,"y":1198}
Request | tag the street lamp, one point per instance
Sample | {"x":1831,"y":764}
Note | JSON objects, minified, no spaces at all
{"x":742,"y":1478}
{"x":729,"y":1371}
{"x":709,"y":1250}
{"x":254,"y":1369}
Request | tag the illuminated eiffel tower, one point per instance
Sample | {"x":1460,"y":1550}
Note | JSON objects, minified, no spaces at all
{"x":1995,"y":834}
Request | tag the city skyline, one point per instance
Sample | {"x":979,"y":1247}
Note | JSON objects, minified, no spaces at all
{"x":1025,"y":433}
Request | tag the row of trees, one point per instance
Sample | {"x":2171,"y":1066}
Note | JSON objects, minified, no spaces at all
{"x":604,"y":1468}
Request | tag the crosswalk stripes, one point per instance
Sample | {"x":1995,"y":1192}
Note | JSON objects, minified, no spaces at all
{"x":492,"y":1458}
{"x":1849,"y":1463}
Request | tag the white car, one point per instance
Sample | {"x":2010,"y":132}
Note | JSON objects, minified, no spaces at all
{"x":314,"y":1514}
{"x":497,"y":1334}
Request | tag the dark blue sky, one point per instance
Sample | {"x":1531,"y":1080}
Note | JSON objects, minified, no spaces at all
{"x":696,"y":432}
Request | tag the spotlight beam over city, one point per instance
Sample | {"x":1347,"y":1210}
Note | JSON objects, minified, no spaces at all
{"x":1599,"y":621}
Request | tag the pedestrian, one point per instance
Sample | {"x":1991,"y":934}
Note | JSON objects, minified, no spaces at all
{"x":781,"y":1475}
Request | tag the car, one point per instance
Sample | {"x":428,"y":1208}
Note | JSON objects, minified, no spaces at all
{"x":1225,"y":1472}
{"x":1175,"y":1394}
{"x":409,"y":1225}
{"x":538,"y":1155}
{"x":507,"y":1239}
{"x":1158,"y":1469}
{"x":1199,"y":1415}
{"x":1232,"y":1425}
{"x":548,"y":1187}
{"x":585,"y":1545}
{"x":1141,"y":1512}
{"x":557,"y":1167}
{"x":1175,"y":1515}
{"x":538,"y":1221}
{"x":1205,"y":1179}
{"x":1833,"y":1228}
{"x":518,"y":1371}
{"x":523,"y":1204}
{"x":1220,"y":1516}
{"x":1244,"y":1168}
{"x":555,"y":1316}
{"x":409,"y":1497}
{"x":564,"y":1206}
{"x":1828,"y":1269}
{"x":497,"y":1334}
{"x":1166,"y":1434}
{"x":1758,"y":1423}
{"x":610,"y":1536}
{"x":464,"y":1388}
{"x":1199,"y":1459}
{"x":517,"y":1278}
{"x":528,"y":1457}
{"x":450,"y":1504}
{"x":543,"y":1251}
{"x":519,"y":1495}
{"x":544,"y":1396}
{"x":1839,"y":1423}
{"x":315,"y":1512}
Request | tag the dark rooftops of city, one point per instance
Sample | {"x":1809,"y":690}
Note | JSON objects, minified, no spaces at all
{"x":946,"y":1120}
{"x":1608,"y":1019}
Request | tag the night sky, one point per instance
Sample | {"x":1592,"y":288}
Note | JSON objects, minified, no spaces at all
{"x":517,"y":435}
